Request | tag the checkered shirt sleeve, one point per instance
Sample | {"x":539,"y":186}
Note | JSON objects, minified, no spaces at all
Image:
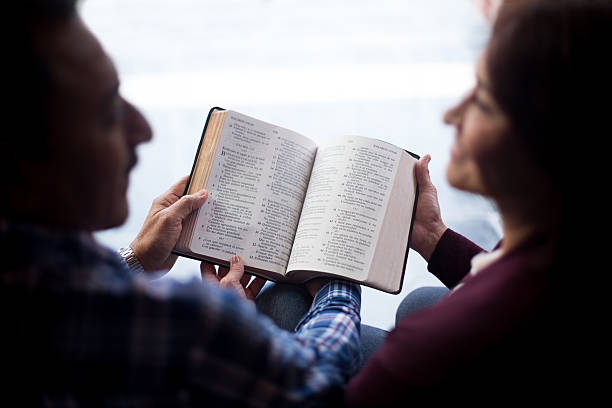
{"x":82,"y":330}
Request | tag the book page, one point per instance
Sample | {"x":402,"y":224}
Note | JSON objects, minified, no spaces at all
{"x":256,"y":188}
{"x":389,"y":260}
{"x":345,"y":204}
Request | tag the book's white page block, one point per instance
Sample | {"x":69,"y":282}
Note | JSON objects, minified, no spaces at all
{"x":345,"y":204}
{"x":387,"y":267}
{"x":256,"y":187}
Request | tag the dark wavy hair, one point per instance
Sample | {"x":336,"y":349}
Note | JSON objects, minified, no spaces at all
{"x":550,"y":72}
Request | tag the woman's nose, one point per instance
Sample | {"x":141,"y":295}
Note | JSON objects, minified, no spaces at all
{"x":453,"y":115}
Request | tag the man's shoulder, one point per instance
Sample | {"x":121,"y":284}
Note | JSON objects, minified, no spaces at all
{"x":38,"y":257}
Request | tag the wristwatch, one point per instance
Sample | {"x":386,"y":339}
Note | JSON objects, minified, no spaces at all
{"x":129,"y":257}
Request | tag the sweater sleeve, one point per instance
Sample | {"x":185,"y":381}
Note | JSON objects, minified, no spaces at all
{"x":450,"y":261}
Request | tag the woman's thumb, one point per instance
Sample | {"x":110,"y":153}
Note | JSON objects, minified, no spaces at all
{"x":422,"y":171}
{"x":235,"y":273}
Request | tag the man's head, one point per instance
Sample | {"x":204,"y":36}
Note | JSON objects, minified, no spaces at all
{"x":66,"y":160}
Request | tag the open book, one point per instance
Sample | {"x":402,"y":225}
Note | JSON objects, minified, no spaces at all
{"x":294,"y":210}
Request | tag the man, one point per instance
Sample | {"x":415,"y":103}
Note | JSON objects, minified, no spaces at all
{"x":83,"y":326}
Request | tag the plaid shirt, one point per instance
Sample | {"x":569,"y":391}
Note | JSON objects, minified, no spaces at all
{"x":80,"y":329}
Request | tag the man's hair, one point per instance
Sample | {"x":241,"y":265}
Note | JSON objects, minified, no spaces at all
{"x":27,"y":85}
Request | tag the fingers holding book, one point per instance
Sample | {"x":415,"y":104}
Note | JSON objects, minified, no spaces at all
{"x":233,"y":277}
{"x":428,"y":224}
{"x":163,"y":225}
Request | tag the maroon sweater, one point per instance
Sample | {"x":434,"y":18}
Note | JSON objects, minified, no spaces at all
{"x":495,"y":333}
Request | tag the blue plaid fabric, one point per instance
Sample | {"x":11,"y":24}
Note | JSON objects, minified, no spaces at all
{"x":81,"y":330}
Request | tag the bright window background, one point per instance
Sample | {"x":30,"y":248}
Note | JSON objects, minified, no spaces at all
{"x":386,"y":69}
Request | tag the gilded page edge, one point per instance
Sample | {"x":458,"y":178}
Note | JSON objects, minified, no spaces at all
{"x":201,"y":171}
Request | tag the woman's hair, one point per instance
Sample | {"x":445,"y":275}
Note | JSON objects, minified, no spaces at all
{"x":550,"y":71}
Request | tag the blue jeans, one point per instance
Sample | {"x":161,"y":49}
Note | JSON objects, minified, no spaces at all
{"x":286,"y":304}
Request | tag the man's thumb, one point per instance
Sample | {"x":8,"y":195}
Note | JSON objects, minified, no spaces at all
{"x":188,"y":203}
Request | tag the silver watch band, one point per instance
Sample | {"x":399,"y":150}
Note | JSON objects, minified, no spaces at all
{"x":130,"y":258}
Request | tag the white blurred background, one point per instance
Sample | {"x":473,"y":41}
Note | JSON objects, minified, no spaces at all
{"x":386,"y":69}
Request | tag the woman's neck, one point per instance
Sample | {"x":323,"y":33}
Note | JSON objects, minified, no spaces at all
{"x":528,"y":216}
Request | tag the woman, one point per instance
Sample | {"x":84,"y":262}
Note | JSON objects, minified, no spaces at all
{"x":512,"y":323}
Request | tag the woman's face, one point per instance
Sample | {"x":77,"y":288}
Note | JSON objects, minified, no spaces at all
{"x":482,"y":150}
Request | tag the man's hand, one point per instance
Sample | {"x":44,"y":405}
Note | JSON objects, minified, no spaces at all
{"x":233,"y":278}
{"x":163,"y":225}
{"x":428,"y":226}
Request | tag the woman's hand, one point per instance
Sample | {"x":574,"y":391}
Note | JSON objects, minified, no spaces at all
{"x":162,"y":227}
{"x":315,"y":284}
{"x":428,"y":226}
{"x":233,"y":278}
